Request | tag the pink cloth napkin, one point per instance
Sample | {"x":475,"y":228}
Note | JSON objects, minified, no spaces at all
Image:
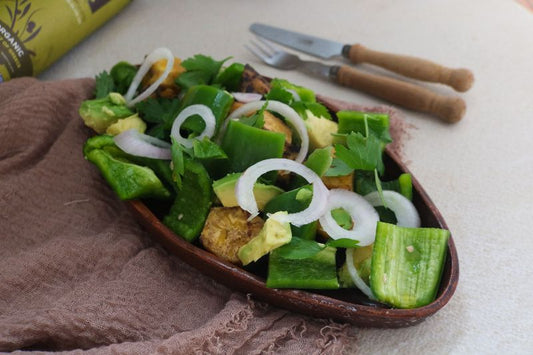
{"x":78,"y":273}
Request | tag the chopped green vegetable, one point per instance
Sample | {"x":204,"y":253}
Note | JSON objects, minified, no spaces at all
{"x":354,"y":121}
{"x":295,"y":201}
{"x":362,"y":260}
{"x":342,"y":218}
{"x":256,"y":120}
{"x":320,"y":160}
{"x":219,"y":101}
{"x":315,"y":272}
{"x":104,"y":85}
{"x":231,"y":77}
{"x":201,"y":70}
{"x":273,"y":235}
{"x":320,"y":130}
{"x":160,"y":114}
{"x":225,"y":190}
{"x":361,"y":153}
{"x":407,"y":264}
{"x":338,"y":168}
{"x":282,"y":90}
{"x":190,"y":208}
{"x":246,"y":145}
{"x":103,"y":112}
{"x":128,"y":180}
{"x":364,"y":183}
{"x":123,"y":74}
{"x":124,"y":124}
{"x":206,"y":149}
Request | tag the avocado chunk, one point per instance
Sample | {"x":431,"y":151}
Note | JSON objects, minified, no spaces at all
{"x":320,"y":130}
{"x":315,"y":272}
{"x":123,"y":124}
{"x":320,"y":160}
{"x":407,"y":264}
{"x":225,"y":190}
{"x":99,"y":114}
{"x":295,"y":201}
{"x":273,"y":235}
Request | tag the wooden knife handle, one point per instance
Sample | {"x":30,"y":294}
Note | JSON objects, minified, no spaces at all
{"x":417,"y":98}
{"x":413,"y":67}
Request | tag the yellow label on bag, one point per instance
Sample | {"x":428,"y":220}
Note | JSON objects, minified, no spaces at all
{"x":34,"y":34}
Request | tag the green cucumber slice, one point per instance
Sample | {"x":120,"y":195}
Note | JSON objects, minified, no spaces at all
{"x":407,"y":264}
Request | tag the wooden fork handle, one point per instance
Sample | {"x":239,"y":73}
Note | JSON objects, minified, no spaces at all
{"x":417,"y":98}
{"x":413,"y":67}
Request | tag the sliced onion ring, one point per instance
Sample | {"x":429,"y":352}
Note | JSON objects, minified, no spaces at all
{"x":357,"y":280}
{"x":246,"y":96}
{"x":157,"y":54}
{"x":364,"y":215}
{"x":201,"y":110}
{"x":403,"y":208}
{"x":245,"y":195}
{"x":295,"y":95}
{"x":142,"y":145}
{"x":286,"y":111}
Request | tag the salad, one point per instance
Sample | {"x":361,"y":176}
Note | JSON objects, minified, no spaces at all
{"x":259,"y":172}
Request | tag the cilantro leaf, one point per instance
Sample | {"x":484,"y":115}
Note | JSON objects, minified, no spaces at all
{"x":278,"y":93}
{"x":257,"y":119}
{"x":158,"y":110}
{"x":104,"y":85}
{"x":282,"y":90}
{"x":338,"y":168}
{"x":206,"y":149}
{"x":318,"y":110}
{"x":299,"y":248}
{"x":160,"y":114}
{"x":178,"y":162}
{"x":379,"y":187}
{"x":201,"y":69}
{"x":361,"y":153}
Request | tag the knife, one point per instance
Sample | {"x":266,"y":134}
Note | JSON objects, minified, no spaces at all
{"x":413,"y":67}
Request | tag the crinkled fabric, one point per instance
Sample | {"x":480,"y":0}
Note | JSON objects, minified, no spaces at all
{"x":78,"y":274}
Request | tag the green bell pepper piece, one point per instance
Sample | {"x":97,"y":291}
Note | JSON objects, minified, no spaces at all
{"x":407,"y":264}
{"x":316,"y":272}
{"x":354,"y":121}
{"x":219,"y":101}
{"x":189,"y":210}
{"x":246,"y":145}
{"x":128,"y":180}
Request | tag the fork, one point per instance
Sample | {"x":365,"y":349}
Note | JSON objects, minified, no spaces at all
{"x":410,"y":96}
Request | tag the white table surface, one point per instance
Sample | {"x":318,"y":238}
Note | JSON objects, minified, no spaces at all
{"x":479,"y":172}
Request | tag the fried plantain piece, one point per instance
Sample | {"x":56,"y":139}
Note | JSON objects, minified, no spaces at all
{"x":339,"y":182}
{"x":252,"y":81}
{"x":226,"y":230}
{"x":168,"y":88}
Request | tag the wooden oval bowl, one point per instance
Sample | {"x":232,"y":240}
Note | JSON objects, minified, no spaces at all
{"x":344,"y":305}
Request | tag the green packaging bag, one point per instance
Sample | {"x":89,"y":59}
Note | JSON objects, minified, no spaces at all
{"x":35,"y":33}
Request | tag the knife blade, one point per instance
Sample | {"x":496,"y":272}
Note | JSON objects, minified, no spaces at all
{"x":413,"y":67}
